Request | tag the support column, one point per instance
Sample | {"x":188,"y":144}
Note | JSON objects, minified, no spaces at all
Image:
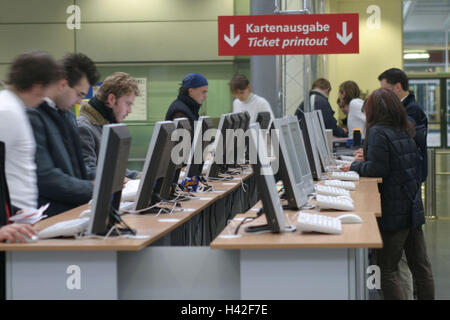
{"x":265,"y":71}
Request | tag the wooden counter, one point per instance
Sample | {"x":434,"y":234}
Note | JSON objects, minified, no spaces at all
{"x":146,"y":224}
{"x":366,"y":235}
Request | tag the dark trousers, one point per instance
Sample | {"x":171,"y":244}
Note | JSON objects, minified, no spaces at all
{"x":413,"y":242}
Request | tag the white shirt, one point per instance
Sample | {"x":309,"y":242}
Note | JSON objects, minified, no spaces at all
{"x":356,"y":118}
{"x":20,"y":147}
{"x":253,"y":105}
{"x":50,"y":103}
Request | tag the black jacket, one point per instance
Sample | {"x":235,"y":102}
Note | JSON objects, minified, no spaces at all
{"x":393,"y":156}
{"x":418,"y":116}
{"x":186,"y":105}
{"x":321,"y":103}
{"x":63,"y":179}
{"x":415,"y":111}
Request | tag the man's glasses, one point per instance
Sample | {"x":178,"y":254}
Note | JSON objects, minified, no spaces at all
{"x":79,"y":93}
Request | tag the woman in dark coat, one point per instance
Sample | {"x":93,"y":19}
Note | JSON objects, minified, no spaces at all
{"x":392,"y":155}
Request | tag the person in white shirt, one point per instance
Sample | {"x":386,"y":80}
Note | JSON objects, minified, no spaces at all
{"x":246,"y":100}
{"x":351,"y":104}
{"x":30,"y":77}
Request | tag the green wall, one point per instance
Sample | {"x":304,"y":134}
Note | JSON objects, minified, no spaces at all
{"x":162,"y":40}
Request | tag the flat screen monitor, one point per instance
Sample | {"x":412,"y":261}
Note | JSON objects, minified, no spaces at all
{"x":306,"y":124}
{"x":239,"y":123}
{"x":169,"y":185}
{"x":324,"y":134}
{"x":111,"y":167}
{"x":245,"y":120}
{"x":246,"y":126}
{"x":263,"y":118}
{"x":289,"y":167}
{"x":218,"y":160}
{"x":156,"y":166}
{"x":6,"y":209}
{"x":298,"y":141}
{"x":267,"y":189}
{"x":321,"y":145}
{"x":196,"y":156}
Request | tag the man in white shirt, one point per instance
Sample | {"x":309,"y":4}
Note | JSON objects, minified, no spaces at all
{"x":30,"y":76}
{"x":246,"y":100}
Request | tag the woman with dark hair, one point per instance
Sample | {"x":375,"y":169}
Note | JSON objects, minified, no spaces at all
{"x":351,"y":105}
{"x":392,"y":155}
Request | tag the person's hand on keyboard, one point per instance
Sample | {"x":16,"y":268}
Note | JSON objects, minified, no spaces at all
{"x":16,"y":232}
{"x":359,"y":155}
{"x":345,"y":167}
{"x":125,"y":181}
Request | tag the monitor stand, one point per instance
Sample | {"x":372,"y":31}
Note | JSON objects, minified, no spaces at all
{"x":114,"y":221}
{"x":266,"y":228}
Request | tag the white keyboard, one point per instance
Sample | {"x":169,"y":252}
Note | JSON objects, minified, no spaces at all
{"x":67,"y":228}
{"x":348,"y":185}
{"x":348,"y":158}
{"x":331,"y":191}
{"x":126,"y":206}
{"x":349,"y":175}
{"x":307,"y":222}
{"x":342,"y":162}
{"x":338,"y":203}
{"x":130,"y":191}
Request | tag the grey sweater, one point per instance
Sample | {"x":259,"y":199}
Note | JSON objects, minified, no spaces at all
{"x":90,"y":124}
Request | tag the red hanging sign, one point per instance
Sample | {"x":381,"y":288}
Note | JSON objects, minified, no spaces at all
{"x":288,"y":34}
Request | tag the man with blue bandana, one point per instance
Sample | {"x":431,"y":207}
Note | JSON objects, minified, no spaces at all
{"x":192,"y":93}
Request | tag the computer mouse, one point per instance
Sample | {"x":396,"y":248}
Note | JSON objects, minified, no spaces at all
{"x":33,"y":238}
{"x":85,"y":213}
{"x":345,"y":198}
{"x":350,"y":218}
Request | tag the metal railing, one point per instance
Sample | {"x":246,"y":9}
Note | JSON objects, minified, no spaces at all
{"x":430,"y":186}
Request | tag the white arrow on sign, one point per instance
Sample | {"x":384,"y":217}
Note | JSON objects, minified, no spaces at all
{"x":344,"y":38}
{"x":231,"y":40}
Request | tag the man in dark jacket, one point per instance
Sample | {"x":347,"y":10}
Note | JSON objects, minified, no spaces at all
{"x":396,"y":80}
{"x":192,"y":93}
{"x":63,"y":179}
{"x":318,"y":97}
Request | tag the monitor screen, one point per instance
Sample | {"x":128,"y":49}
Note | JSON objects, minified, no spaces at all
{"x":245,"y":128}
{"x":289,"y":167}
{"x":239,"y":140}
{"x":302,"y":157}
{"x":6,"y":209}
{"x":111,"y":167}
{"x":313,"y":154}
{"x":217,"y":164}
{"x":196,"y":156}
{"x":169,"y":185}
{"x":156,"y":165}
{"x":267,"y":189}
{"x":234,"y":122}
{"x":325,"y":160}
{"x":322,"y":125}
{"x":324,"y":135}
{"x":263,"y":118}
{"x":183,"y":123}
